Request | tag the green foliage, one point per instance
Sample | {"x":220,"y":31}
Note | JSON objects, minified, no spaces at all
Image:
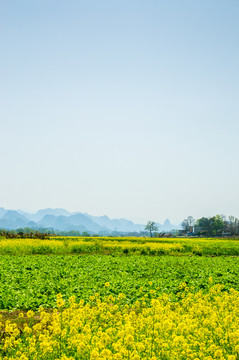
{"x":211,"y":226}
{"x":30,"y":281}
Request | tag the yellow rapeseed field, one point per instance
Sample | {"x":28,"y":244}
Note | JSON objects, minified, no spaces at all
{"x":197,"y":326}
{"x":128,"y":245}
{"x":31,"y":246}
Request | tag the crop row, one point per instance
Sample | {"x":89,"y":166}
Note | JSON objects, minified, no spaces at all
{"x":127,"y":246}
{"x":26,"y":282}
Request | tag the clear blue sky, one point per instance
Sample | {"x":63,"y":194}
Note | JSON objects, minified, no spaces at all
{"x":125,"y":108}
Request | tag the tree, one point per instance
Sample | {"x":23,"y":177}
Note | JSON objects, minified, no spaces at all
{"x":203,"y":223}
{"x":188,"y":223}
{"x":233,"y":225}
{"x":151,"y":226}
{"x":217,"y":225}
{"x":85,"y":233}
{"x":211,"y":226}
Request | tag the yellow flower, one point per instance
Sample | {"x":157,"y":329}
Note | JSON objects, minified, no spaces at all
{"x":59,"y":301}
{"x":198,"y":326}
{"x":30,"y":314}
{"x":210,"y":280}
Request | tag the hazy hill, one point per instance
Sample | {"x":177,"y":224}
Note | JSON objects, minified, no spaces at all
{"x":2,"y":211}
{"x":116,"y":224}
{"x":41,"y":213}
{"x":78,"y":222}
{"x":63,"y":220}
{"x":166,"y":226}
{"x":11,"y":219}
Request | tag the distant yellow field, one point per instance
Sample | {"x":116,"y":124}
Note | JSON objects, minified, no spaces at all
{"x":124,"y":245}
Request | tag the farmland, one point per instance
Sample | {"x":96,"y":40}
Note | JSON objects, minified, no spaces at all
{"x":120,"y":245}
{"x":30,"y":281}
{"x":119,"y":298}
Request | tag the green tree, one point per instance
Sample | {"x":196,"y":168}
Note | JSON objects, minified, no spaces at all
{"x":85,"y":233}
{"x":151,"y":226}
{"x":211,"y":226}
{"x":217,"y":225}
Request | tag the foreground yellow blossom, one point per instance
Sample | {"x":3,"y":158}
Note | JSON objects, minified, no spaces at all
{"x":198,"y":326}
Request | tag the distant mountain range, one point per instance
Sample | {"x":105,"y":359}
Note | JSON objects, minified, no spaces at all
{"x":63,"y":220}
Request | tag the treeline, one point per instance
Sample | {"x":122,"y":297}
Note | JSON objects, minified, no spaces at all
{"x":43,"y":233}
{"x":218,"y":225}
{"x":23,"y":233}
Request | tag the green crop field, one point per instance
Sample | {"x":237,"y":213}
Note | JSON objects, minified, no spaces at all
{"x":30,"y":281}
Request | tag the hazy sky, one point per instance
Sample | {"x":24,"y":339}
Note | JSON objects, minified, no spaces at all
{"x":127,"y":108}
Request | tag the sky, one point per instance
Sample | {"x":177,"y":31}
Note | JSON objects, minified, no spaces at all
{"x":126,"y":108}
